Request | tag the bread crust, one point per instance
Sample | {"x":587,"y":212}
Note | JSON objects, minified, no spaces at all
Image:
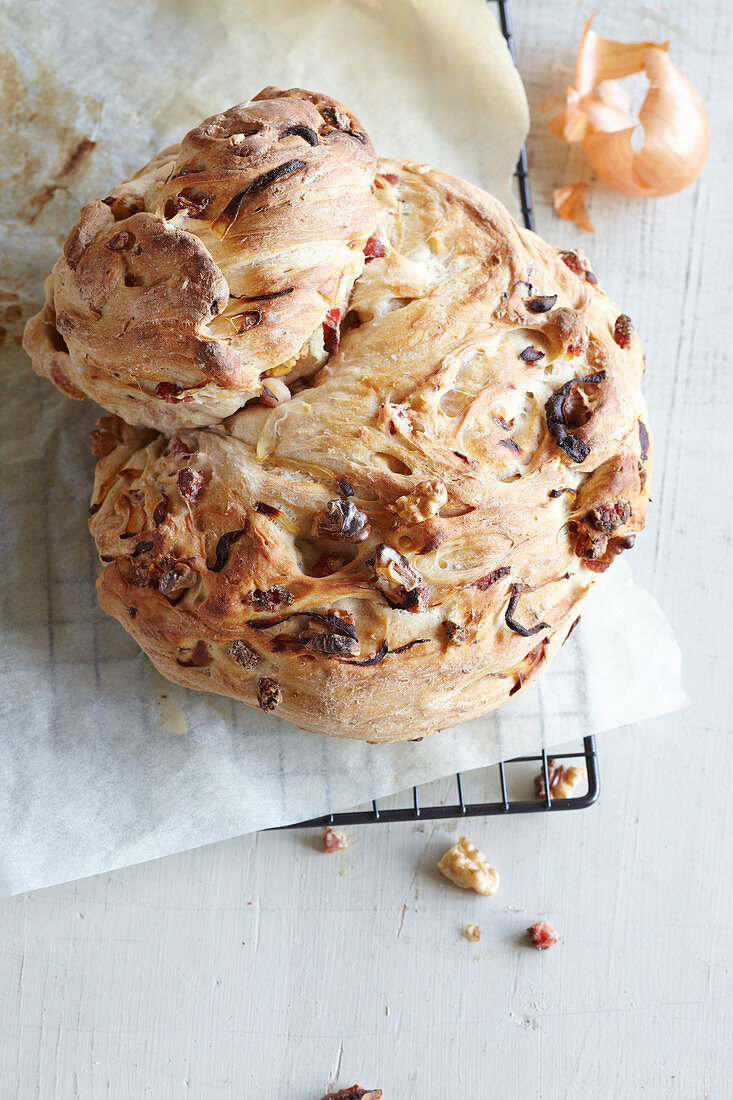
{"x":405,"y":543}
{"x":214,"y":268}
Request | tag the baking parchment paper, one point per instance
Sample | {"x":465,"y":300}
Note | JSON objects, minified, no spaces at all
{"x":102,"y":762}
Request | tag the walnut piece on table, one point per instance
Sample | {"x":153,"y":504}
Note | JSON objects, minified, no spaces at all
{"x":334,"y":839}
{"x":563,"y":781}
{"x":469,"y":868}
{"x":472,"y":932}
{"x":356,"y":1092}
{"x":543,"y":935}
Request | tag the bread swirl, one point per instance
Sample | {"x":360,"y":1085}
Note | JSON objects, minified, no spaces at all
{"x":407,"y":541}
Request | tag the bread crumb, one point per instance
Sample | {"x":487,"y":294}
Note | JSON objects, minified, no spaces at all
{"x":543,"y":935}
{"x":469,"y":868}
{"x":334,"y":839}
{"x":472,"y":932}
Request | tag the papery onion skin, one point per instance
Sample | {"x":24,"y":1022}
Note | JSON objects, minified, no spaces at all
{"x":676,"y":137}
{"x":602,"y":59}
{"x":676,"y":127}
{"x":609,"y":110}
{"x":572,"y":123}
{"x":569,"y":203}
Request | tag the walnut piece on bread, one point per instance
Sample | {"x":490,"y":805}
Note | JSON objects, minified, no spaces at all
{"x":406,"y":542}
{"x":198,"y":284}
{"x":469,"y":868}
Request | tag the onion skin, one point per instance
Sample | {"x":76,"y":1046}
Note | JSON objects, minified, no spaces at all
{"x":602,"y":59}
{"x":676,"y":127}
{"x":676,"y":137}
{"x":569,"y":203}
{"x":583,"y":115}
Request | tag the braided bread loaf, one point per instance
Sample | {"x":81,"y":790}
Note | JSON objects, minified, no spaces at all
{"x":406,"y":541}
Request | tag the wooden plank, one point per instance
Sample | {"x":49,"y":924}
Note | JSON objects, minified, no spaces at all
{"x":263,"y":968}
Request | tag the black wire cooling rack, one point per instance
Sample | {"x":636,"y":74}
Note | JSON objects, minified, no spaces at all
{"x":585,"y":757}
{"x":415,"y":811}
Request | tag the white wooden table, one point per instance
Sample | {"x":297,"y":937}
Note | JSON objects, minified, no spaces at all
{"x":262,"y":968}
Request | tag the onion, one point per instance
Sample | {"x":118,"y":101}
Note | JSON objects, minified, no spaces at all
{"x":676,"y":137}
{"x":676,"y":128}
{"x":569,"y":203}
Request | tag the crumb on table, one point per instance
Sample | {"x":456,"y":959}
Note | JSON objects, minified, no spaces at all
{"x":543,"y":935}
{"x":469,"y":868}
{"x":472,"y":932}
{"x":334,"y":839}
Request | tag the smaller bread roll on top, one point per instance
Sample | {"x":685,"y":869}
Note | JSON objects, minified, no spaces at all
{"x":225,"y":262}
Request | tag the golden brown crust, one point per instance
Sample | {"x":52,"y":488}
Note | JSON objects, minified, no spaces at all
{"x":214,"y":267}
{"x":406,"y":542}
{"x":44,"y":343}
